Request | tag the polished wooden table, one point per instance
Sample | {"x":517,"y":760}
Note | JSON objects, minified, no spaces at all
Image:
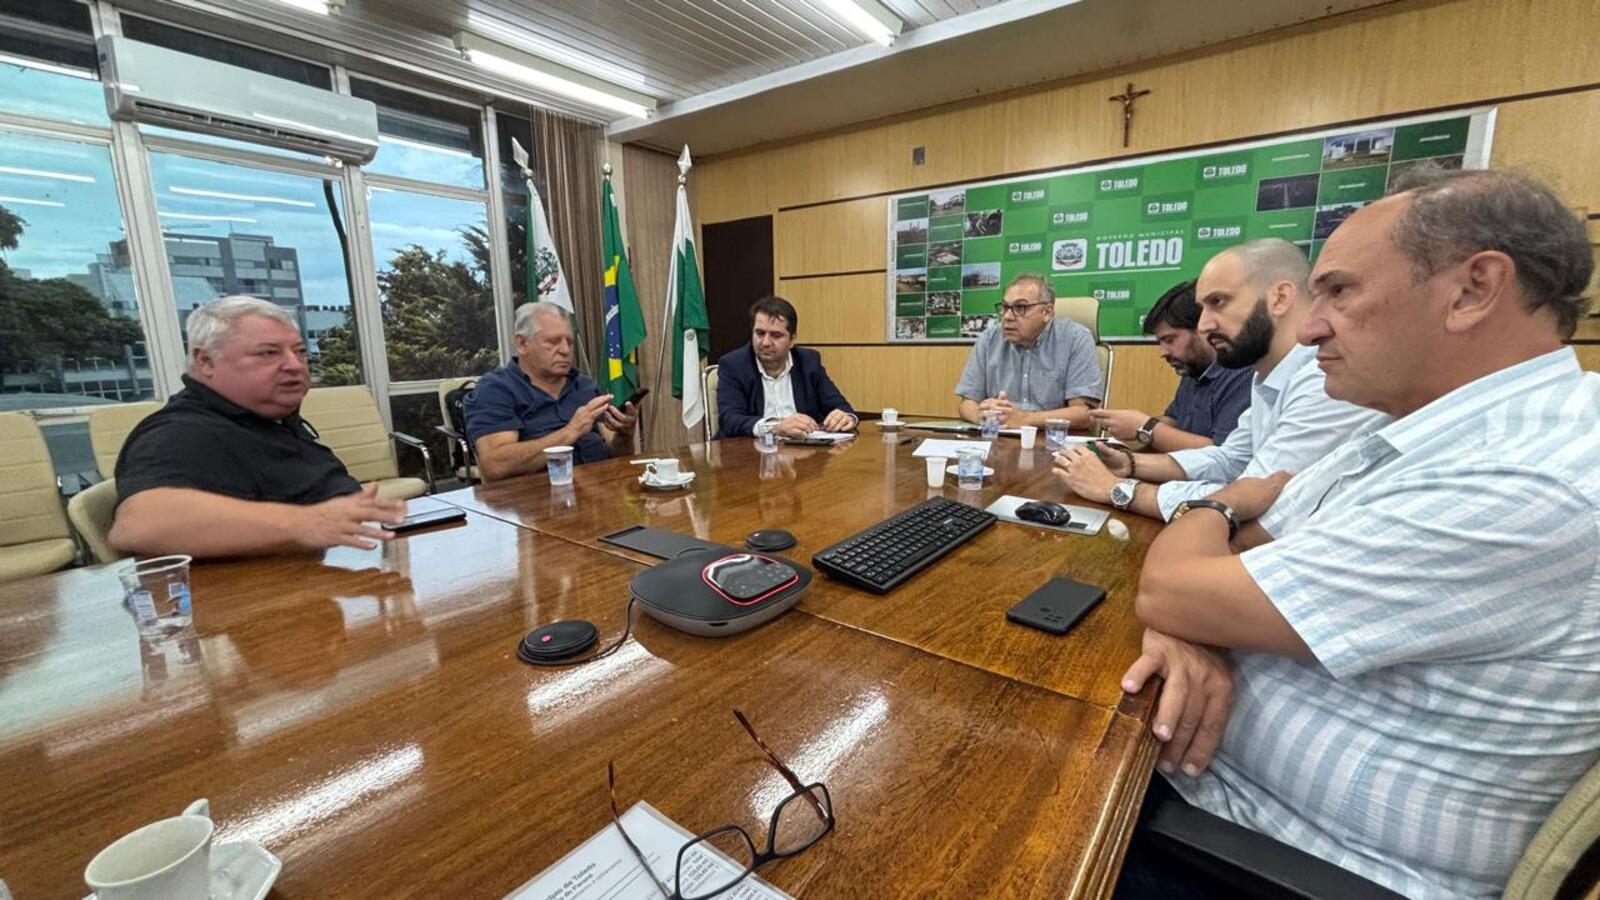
{"x":363,"y":715}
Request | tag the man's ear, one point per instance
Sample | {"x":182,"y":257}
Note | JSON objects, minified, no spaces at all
{"x":201,"y":363}
{"x":1280,"y":297}
{"x":1477,"y":287}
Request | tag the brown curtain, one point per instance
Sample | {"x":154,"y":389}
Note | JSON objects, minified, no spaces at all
{"x":567,"y":160}
{"x":650,"y":178}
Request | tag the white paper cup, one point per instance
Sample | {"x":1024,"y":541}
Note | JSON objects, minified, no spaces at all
{"x":936,"y":465}
{"x":558,"y":461}
{"x":1029,"y":434}
{"x":165,"y":860}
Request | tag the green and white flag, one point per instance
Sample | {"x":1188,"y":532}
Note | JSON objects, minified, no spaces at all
{"x":686,"y":308}
{"x":546,"y":280}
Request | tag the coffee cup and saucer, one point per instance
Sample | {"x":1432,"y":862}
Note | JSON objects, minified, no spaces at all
{"x":174,"y":859}
{"x":664,"y":475}
{"x":889,"y":419}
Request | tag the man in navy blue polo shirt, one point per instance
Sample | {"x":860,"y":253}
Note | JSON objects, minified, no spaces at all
{"x":538,"y":401}
{"x":1210,"y":397}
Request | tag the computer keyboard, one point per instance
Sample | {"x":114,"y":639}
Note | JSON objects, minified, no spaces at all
{"x":888,"y":553}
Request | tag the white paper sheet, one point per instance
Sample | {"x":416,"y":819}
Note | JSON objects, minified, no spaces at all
{"x":835,"y":436}
{"x":949,"y":449}
{"x":603,"y":868}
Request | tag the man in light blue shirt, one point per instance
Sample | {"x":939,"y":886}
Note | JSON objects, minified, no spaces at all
{"x":1252,"y":298}
{"x":1410,"y":645}
{"x":1030,"y":366}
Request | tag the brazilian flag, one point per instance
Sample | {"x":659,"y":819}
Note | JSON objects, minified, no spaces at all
{"x":624,"y":320}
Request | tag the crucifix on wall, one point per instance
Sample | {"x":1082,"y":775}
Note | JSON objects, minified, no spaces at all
{"x":1126,"y":98}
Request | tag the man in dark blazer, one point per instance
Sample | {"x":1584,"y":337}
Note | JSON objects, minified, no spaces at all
{"x":771,"y":385}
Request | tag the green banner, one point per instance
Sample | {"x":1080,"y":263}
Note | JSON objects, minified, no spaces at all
{"x":1127,"y":232}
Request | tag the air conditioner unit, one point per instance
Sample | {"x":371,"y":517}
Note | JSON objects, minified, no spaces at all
{"x":146,"y":83}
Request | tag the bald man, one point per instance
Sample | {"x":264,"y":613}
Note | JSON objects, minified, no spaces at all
{"x":1253,"y":298}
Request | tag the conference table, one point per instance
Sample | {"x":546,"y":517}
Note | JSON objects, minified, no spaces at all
{"x":363,"y":715}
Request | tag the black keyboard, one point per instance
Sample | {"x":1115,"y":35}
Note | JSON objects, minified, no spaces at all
{"x":888,"y":553}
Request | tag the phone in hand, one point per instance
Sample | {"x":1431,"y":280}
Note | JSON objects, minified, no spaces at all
{"x":636,"y":396}
{"x":1057,"y":605}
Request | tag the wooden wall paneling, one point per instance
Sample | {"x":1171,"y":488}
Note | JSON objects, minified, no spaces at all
{"x":651,"y":181}
{"x":1272,"y":83}
{"x":839,"y":309}
{"x":1541,"y":137}
{"x":1140,"y":380}
{"x":837,"y":237}
{"x":915,"y":380}
{"x":1588,"y":357}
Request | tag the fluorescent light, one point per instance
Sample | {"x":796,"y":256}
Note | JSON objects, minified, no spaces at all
{"x":41,"y":173}
{"x":247,"y":198}
{"x":320,"y":7}
{"x":27,"y":63}
{"x":868,"y":17}
{"x":26,"y":202}
{"x":193,"y":218}
{"x":553,"y":77}
{"x":538,"y":46}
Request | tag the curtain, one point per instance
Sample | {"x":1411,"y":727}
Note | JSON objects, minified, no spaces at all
{"x":567,"y":154}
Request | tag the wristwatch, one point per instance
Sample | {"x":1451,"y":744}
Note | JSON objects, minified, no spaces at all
{"x":1123,"y":491}
{"x":1147,"y":431}
{"x":1227,"y":513}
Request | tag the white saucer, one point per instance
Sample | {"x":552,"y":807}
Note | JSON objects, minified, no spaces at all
{"x":956,"y":470}
{"x":240,"y":870}
{"x":684,"y":480}
{"x":886,"y":426}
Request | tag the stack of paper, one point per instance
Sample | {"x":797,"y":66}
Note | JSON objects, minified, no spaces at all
{"x":950,"y":449}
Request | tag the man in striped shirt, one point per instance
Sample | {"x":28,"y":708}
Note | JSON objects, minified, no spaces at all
{"x":1410,"y":639}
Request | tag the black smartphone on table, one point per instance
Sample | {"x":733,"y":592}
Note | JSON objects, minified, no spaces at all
{"x":428,"y":519}
{"x":1057,"y":605}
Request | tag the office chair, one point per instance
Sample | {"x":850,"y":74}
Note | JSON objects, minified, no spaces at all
{"x":347,"y":420}
{"x":109,"y":427}
{"x":465,"y":465}
{"x":1086,"y":312}
{"x":708,"y":390}
{"x":34,"y":536}
{"x":91,"y":512}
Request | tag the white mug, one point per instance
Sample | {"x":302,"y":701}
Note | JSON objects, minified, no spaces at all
{"x":890,"y":415}
{"x":165,"y":860}
{"x":936,"y":465}
{"x":662,"y":469}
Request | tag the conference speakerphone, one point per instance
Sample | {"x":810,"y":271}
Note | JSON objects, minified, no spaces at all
{"x":884,"y":556}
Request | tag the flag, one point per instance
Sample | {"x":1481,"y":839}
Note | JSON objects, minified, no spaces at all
{"x":686,"y":308}
{"x":624,"y":320}
{"x":546,"y":279}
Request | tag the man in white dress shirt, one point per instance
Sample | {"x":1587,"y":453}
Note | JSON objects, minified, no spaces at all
{"x":1402,"y":665}
{"x":1252,"y":298}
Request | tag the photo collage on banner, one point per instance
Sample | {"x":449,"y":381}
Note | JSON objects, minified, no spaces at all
{"x":1125,"y":234}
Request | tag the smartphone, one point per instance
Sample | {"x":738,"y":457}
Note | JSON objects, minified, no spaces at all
{"x":1057,"y":605}
{"x":636,"y":396}
{"x":420,"y":520}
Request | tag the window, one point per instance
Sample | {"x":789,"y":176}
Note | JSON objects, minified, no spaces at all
{"x":69,"y":316}
{"x":432,"y":256}
{"x":424,"y":139}
{"x":221,"y":221}
{"x":48,"y":65}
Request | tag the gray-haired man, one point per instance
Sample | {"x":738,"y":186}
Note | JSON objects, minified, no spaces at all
{"x":1030,"y":366}
{"x":228,"y":467}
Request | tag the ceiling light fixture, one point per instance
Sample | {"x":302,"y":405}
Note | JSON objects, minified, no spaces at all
{"x":247,"y":198}
{"x":26,"y":202}
{"x":320,"y":7}
{"x":194,"y":218}
{"x":869,"y":17}
{"x":552,"y":77}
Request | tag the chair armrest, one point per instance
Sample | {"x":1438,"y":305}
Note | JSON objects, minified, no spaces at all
{"x":416,"y":444}
{"x":1257,"y":865}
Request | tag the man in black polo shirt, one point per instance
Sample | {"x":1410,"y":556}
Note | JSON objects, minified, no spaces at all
{"x":1210,"y":397}
{"x":228,"y":467}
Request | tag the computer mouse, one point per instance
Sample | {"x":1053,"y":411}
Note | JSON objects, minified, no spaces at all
{"x":769,"y":539}
{"x":1044,"y":512}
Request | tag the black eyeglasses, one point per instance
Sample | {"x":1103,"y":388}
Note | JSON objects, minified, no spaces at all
{"x":1015,"y":309}
{"x":798,"y":822}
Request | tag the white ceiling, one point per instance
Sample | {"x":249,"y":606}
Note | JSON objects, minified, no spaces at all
{"x":731,"y":73}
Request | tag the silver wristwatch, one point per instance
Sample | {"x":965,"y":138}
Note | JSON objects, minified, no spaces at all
{"x":1122,"y":492}
{"x":1147,"y":431}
